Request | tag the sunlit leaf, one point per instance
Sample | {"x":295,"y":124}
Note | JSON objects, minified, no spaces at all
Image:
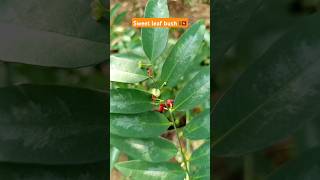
{"x":154,"y":40}
{"x":182,"y":54}
{"x":144,"y":125}
{"x":195,"y":92}
{"x":151,"y":149}
{"x":199,"y":127}
{"x":126,"y":70}
{"x":139,"y":170}
{"x":129,"y":101}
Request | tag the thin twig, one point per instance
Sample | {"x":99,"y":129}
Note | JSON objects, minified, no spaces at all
{"x":180,"y":144}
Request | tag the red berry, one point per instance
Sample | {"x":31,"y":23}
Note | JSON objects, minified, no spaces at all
{"x":169,"y":103}
{"x":161,"y":108}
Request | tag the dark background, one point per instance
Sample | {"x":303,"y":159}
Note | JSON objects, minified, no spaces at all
{"x":265,"y":58}
{"x":53,"y":90}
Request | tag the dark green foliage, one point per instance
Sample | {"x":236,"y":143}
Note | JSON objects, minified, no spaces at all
{"x":266,"y":86}
{"x":51,"y":132}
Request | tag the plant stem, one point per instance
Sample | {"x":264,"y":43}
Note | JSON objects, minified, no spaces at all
{"x":180,"y":144}
{"x":154,"y":82}
{"x":187,"y":140}
{"x":248,"y":167}
{"x":188,"y":144}
{"x":163,"y":84}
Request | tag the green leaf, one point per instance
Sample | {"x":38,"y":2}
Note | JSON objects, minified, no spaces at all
{"x":274,"y":97}
{"x":151,"y":149}
{"x":182,"y":54}
{"x":52,"y":125}
{"x":114,"y":156}
{"x":199,"y":127}
{"x":129,"y":101}
{"x":230,"y":18}
{"x":131,"y":56}
{"x":201,"y":174}
{"x":259,"y":33}
{"x":200,"y":162}
{"x":201,"y":157}
{"x":304,"y":167}
{"x":126,"y":70}
{"x":14,"y":171}
{"x":139,"y":170}
{"x":119,"y":18}
{"x":144,"y":125}
{"x":51,"y":33}
{"x":115,"y":9}
{"x":154,"y":40}
{"x":195,"y":92}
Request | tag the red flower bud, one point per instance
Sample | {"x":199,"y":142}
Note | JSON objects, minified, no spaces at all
{"x":161,"y":108}
{"x":169,"y":103}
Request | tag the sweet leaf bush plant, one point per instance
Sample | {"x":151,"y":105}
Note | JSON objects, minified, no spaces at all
{"x":159,"y":103}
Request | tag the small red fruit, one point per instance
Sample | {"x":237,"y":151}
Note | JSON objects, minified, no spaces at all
{"x":161,"y":108}
{"x":169,"y":103}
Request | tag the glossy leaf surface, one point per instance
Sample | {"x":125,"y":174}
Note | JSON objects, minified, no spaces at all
{"x":52,"y":125}
{"x":154,"y":40}
{"x":142,"y":125}
{"x":199,"y":127}
{"x":64,"y":36}
{"x":151,"y":149}
{"x":200,"y":162}
{"x":182,"y":54}
{"x":126,"y":70}
{"x":139,"y":170}
{"x":195,"y":92}
{"x":129,"y":101}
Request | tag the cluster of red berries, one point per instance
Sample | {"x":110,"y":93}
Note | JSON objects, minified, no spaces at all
{"x":163,"y":107}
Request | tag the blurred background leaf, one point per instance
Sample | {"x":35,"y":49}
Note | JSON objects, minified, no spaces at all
{"x":64,"y":36}
{"x":52,"y":125}
{"x":12,"y":171}
{"x":276,"y":50}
